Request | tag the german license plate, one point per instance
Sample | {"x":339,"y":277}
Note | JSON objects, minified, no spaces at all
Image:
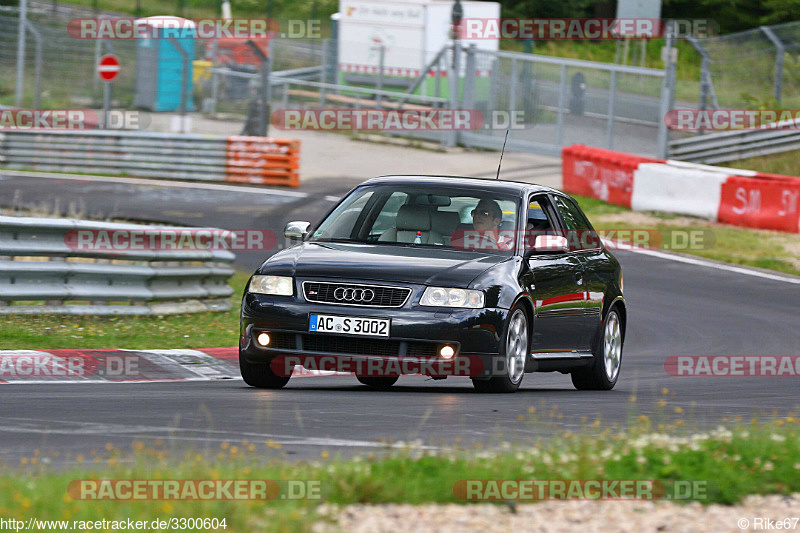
{"x":350,"y":325}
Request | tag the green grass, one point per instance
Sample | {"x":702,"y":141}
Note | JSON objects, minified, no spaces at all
{"x":770,"y":250}
{"x":747,"y":459}
{"x":196,"y":330}
{"x":786,"y":163}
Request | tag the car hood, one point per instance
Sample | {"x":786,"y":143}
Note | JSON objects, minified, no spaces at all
{"x":407,"y":264}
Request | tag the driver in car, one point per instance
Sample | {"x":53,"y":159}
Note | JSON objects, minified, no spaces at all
{"x":487,"y":216}
{"x":485,"y":232}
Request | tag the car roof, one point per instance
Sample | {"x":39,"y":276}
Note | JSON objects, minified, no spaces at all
{"x":460,"y":181}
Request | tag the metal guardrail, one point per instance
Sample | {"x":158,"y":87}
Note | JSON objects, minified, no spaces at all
{"x":155,"y":155}
{"x":732,"y":145}
{"x":38,"y":265}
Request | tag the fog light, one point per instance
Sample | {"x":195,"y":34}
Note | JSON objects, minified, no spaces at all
{"x":263,"y":339}
{"x":447,"y":352}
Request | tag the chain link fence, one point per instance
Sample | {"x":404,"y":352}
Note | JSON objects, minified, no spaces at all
{"x":231,"y":86}
{"x":67,"y":74}
{"x":565,"y":101}
{"x":751,"y":69}
{"x":560,"y":101}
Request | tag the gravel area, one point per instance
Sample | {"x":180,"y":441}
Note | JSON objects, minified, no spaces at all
{"x":584,"y":516}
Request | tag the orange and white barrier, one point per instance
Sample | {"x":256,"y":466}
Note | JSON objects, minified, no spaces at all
{"x":263,"y":160}
{"x":738,"y":197}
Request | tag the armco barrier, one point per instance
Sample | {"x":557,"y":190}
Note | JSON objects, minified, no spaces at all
{"x":261,"y":160}
{"x":739,"y":197}
{"x":37,"y":264}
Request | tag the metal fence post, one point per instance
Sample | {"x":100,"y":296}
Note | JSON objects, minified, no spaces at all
{"x":381,"y":56}
{"x":438,"y":81}
{"x":469,"y":77}
{"x":268,"y":89}
{"x":493,"y":80}
{"x":333,"y":50}
{"x":705,"y":76}
{"x":96,"y":79}
{"x":266,"y":93}
{"x":667,"y":87}
{"x":212,"y":110}
{"x":23,"y":18}
{"x":612,"y":103}
{"x":780,"y":49}
{"x":512,"y":90}
{"x":324,"y":73}
{"x":452,"y":137}
{"x":37,"y":91}
{"x":562,"y":90}
{"x":457,"y":69}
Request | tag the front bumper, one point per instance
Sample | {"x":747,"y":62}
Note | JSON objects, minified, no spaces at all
{"x":415,"y":332}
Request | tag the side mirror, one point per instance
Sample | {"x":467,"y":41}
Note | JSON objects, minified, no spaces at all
{"x":549,"y":244}
{"x":296,"y":230}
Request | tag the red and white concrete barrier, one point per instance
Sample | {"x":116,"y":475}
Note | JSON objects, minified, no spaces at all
{"x":739,"y":197}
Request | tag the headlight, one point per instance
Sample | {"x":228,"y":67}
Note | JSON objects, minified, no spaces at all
{"x":451,"y":297}
{"x":280,"y":285}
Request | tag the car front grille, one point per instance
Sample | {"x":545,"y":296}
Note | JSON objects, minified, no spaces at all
{"x":350,"y":345}
{"x":333,"y":344}
{"x":355,"y":294}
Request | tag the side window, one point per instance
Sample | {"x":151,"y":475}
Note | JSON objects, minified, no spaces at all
{"x":539,"y":221}
{"x":580,"y":234}
{"x":538,"y":217}
{"x":388,"y":213}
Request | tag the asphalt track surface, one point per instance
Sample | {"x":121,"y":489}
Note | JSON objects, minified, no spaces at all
{"x":675,"y":308}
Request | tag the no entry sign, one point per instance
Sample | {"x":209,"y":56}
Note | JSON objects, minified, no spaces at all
{"x":108,"y":67}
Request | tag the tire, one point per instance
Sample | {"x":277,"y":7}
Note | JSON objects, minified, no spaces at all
{"x":514,"y":350}
{"x":261,"y":375}
{"x":378,"y":383}
{"x":607,"y":362}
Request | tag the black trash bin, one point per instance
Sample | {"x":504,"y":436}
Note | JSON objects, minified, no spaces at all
{"x":577,"y":100}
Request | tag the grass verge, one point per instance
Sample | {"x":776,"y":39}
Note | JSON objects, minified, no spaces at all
{"x":734,"y":462}
{"x":196,"y":330}
{"x":786,"y":163}
{"x":771,"y":250}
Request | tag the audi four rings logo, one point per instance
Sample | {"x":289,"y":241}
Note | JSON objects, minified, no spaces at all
{"x":354,"y":295}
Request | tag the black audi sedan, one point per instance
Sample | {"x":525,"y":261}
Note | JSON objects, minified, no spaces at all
{"x":440,"y":276}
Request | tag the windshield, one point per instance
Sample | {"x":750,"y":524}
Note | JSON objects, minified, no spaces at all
{"x":424,"y":215}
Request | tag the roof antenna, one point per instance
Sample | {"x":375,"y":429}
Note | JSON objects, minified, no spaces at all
{"x":501,"y":156}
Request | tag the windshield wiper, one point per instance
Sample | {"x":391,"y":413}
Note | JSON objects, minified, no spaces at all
{"x":340,"y":240}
